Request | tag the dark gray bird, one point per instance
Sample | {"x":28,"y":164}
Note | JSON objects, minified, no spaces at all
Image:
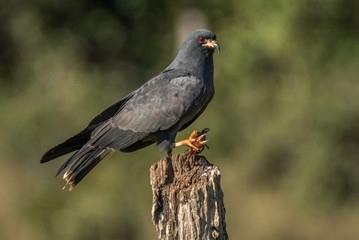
{"x":154,"y":113}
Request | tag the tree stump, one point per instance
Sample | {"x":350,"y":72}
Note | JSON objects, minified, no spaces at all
{"x":187,"y":199}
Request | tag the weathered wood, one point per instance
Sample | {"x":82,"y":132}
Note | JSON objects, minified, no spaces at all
{"x":187,"y":199}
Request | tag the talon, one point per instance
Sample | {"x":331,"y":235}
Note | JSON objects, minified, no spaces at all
{"x":206,"y":130}
{"x":196,"y":142}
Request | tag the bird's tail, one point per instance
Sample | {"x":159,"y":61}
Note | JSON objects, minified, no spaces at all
{"x":70,"y":145}
{"x":84,"y":161}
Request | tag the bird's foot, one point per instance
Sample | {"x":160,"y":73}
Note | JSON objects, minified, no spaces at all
{"x":196,"y":142}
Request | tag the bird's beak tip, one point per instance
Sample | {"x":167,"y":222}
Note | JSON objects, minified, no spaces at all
{"x":216,"y":46}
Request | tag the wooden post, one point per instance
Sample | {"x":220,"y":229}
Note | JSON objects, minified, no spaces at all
{"x":187,"y":199}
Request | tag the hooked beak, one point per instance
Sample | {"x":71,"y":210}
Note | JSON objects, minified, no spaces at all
{"x":212,"y":44}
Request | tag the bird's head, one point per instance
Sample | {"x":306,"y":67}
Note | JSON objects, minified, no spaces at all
{"x":196,"y":52}
{"x":202,"y":39}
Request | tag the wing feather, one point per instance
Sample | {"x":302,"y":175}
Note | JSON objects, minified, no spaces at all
{"x":159,"y":107}
{"x":156,"y":106}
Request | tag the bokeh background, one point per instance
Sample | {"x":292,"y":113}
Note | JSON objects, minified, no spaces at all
{"x":284,"y":121}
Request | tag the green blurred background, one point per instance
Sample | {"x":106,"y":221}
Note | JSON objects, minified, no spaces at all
{"x":284,"y":121}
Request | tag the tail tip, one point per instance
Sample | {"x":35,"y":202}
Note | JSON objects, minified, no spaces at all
{"x":67,"y":178}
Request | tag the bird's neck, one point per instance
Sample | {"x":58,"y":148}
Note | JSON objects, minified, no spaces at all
{"x":198,"y":65}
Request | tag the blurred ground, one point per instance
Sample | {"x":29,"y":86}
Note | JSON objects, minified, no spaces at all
{"x":284,"y":121}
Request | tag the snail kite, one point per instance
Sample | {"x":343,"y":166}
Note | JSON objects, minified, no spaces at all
{"x":154,"y":113}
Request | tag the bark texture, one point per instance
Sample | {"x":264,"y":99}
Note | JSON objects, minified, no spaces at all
{"x":187,"y":199}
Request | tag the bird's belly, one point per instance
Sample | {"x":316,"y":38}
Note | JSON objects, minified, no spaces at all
{"x":196,"y":110}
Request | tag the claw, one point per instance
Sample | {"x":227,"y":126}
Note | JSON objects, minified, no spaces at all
{"x":206,"y":130}
{"x":196,"y":142}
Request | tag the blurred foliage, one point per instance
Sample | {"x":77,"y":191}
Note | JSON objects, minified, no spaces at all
{"x":284,"y":121}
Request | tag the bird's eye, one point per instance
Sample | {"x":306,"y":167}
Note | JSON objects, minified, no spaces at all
{"x":201,"y":39}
